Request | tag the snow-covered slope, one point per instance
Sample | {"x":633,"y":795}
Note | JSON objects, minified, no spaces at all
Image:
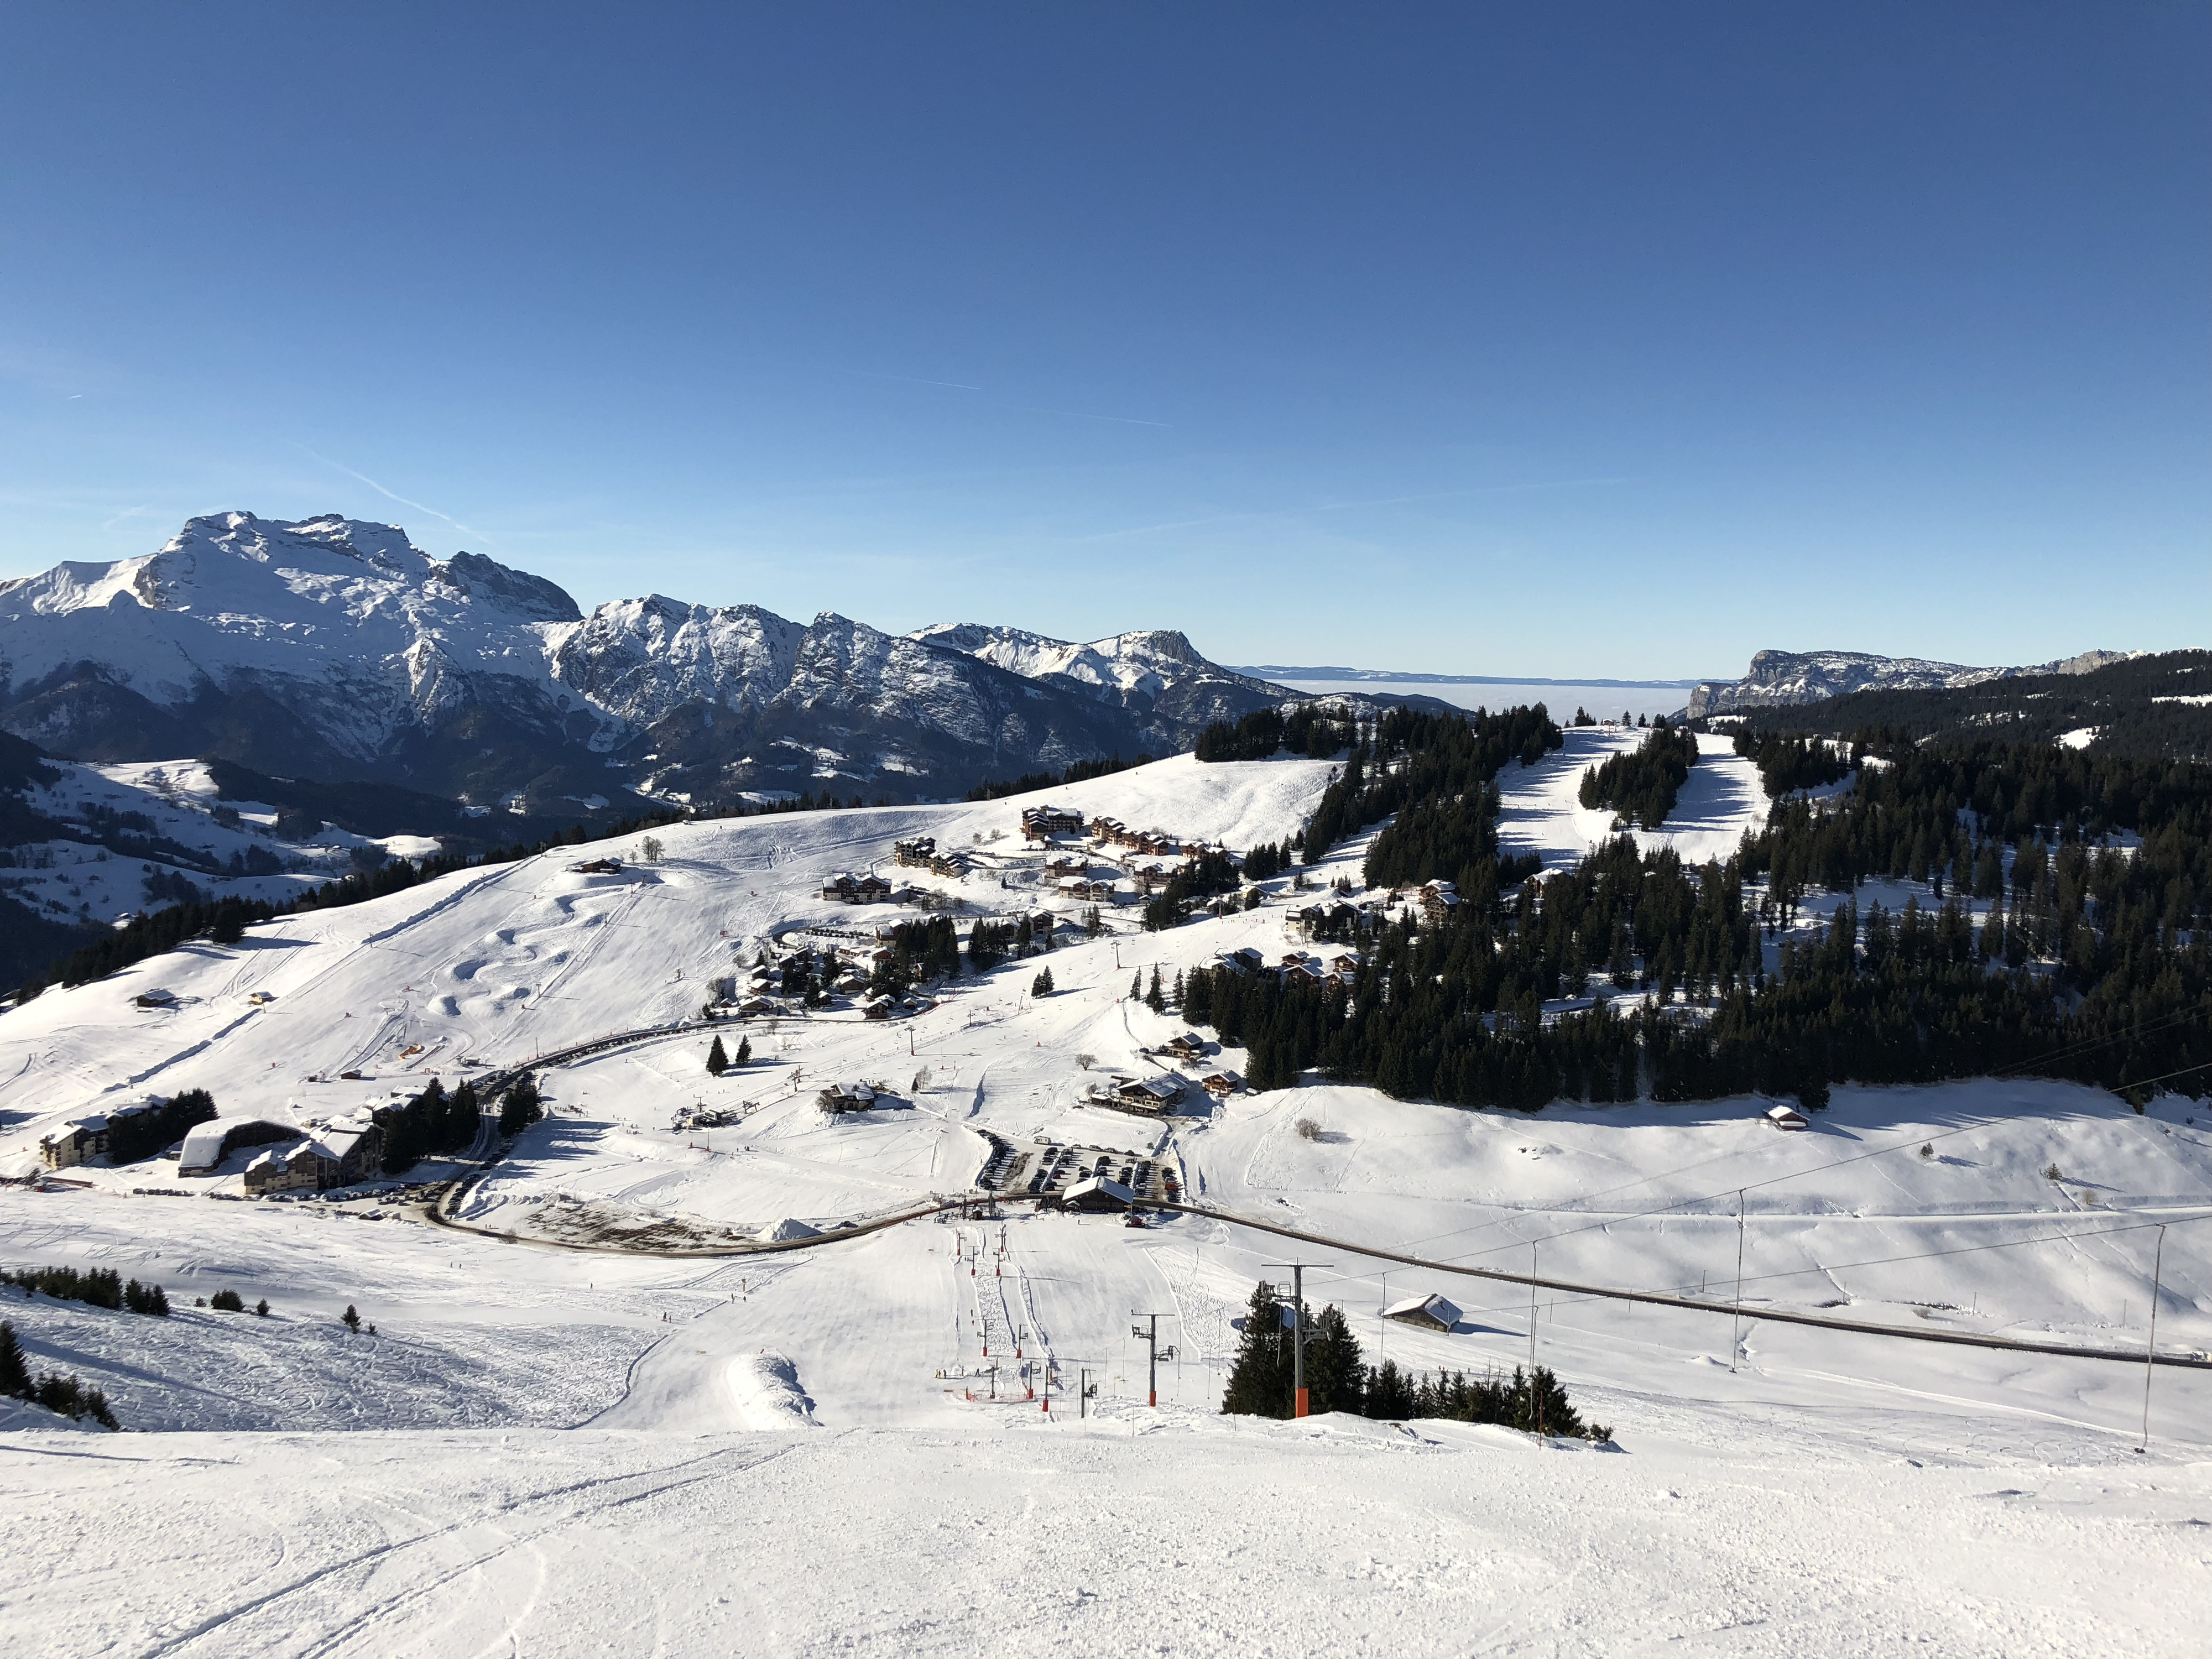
{"x":334,"y":648}
{"x":585,"y":1450}
{"x":1782,"y":678}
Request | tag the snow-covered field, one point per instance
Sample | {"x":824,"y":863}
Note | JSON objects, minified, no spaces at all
{"x":549,"y":1450}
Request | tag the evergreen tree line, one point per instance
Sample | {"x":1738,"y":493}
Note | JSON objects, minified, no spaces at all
{"x":54,"y":1391}
{"x":140,"y":1134}
{"x":1200,"y":877}
{"x":2093,"y":966}
{"x":1789,"y":760}
{"x":1641,"y":787}
{"x":1261,"y":1382}
{"x":1267,"y":860}
{"x":1314,"y":730}
{"x":1077,"y":772}
{"x":520,"y":1105}
{"x":990,"y":943}
{"x":921,"y":951}
{"x":433,"y":1122}
{"x":1439,"y":764}
{"x":99,"y":1287}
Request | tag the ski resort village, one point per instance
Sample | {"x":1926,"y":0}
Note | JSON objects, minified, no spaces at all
{"x":1242,"y":831}
{"x":582,"y":1250}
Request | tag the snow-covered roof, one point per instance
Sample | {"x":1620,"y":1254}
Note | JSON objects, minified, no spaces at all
{"x":204,"y":1142}
{"x":1103,"y":1187}
{"x":1423,"y":1309}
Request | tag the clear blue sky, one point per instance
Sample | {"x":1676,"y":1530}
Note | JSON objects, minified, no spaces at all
{"x":1546,"y":339}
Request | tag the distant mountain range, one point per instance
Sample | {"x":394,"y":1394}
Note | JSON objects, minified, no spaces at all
{"x":332,"y":649}
{"x":1781,"y":679}
{"x":1399,"y":676}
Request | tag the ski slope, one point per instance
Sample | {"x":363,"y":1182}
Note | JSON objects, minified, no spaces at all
{"x":546,"y":1448}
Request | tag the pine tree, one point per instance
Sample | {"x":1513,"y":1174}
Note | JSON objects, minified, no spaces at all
{"x":1042,"y":985}
{"x":1156,"y":998}
{"x":464,"y":1117}
{"x":1334,"y":1364}
{"x":1137,"y":986}
{"x":1260,"y":1380}
{"x":15,"y":1374}
{"x":744,"y":1051}
{"x":718,"y":1059}
{"x":350,"y":1318}
{"x":520,"y":1107}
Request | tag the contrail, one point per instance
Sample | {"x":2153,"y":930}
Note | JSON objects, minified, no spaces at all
{"x":393,"y":495}
{"x":870,"y":375}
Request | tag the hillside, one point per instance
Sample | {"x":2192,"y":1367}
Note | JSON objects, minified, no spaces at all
{"x":2146,"y":706}
{"x":524,"y":1394}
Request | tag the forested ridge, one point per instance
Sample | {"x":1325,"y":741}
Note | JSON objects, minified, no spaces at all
{"x":2088,"y":963}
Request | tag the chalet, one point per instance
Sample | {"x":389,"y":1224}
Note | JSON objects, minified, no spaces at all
{"x":1057,"y":868}
{"x":1345,"y":964}
{"x":1787,"y":1117}
{"x":1220,"y":1086}
{"x":155,"y":997}
{"x":846,"y":1097}
{"x":1099,"y":1196}
{"x":877,"y":1007}
{"x":206,"y":1145}
{"x":1184,"y":1046}
{"x":1044,"y":821}
{"x":915,"y":855}
{"x":954,"y":864}
{"x":1150,"y":1094}
{"x":74,"y":1143}
{"x":334,"y":1154}
{"x":839,"y":887}
{"x":1429,"y":1313}
{"x":597,"y":867}
{"x":1246,"y":961}
{"x":1082,"y":887}
{"x":1437,"y":900}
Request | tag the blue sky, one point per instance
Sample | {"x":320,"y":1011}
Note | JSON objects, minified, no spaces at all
{"x":1486,"y":339}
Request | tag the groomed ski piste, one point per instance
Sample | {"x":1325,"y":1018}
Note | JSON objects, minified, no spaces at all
{"x":559,"y":1443}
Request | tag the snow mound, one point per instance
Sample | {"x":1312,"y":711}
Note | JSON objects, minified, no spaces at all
{"x":765,"y":1388}
{"x":785,"y":1231}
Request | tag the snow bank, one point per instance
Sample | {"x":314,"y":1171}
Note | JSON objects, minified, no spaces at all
{"x":764,"y":1387}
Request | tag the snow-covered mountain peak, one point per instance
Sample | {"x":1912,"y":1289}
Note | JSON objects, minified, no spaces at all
{"x":1132,"y":667}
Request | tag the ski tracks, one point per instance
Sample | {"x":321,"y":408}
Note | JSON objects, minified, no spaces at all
{"x":516,"y":1523}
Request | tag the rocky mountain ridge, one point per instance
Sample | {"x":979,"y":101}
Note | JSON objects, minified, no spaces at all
{"x":333,"y":649}
{"x":1782,"y":679}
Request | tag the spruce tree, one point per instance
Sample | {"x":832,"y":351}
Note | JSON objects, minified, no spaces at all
{"x":350,"y":1318}
{"x":718,"y":1059}
{"x":1137,"y":986}
{"x":1042,"y":985}
{"x":744,"y":1051}
{"x":15,"y":1374}
{"x":1156,"y":998}
{"x":1259,"y":1381}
